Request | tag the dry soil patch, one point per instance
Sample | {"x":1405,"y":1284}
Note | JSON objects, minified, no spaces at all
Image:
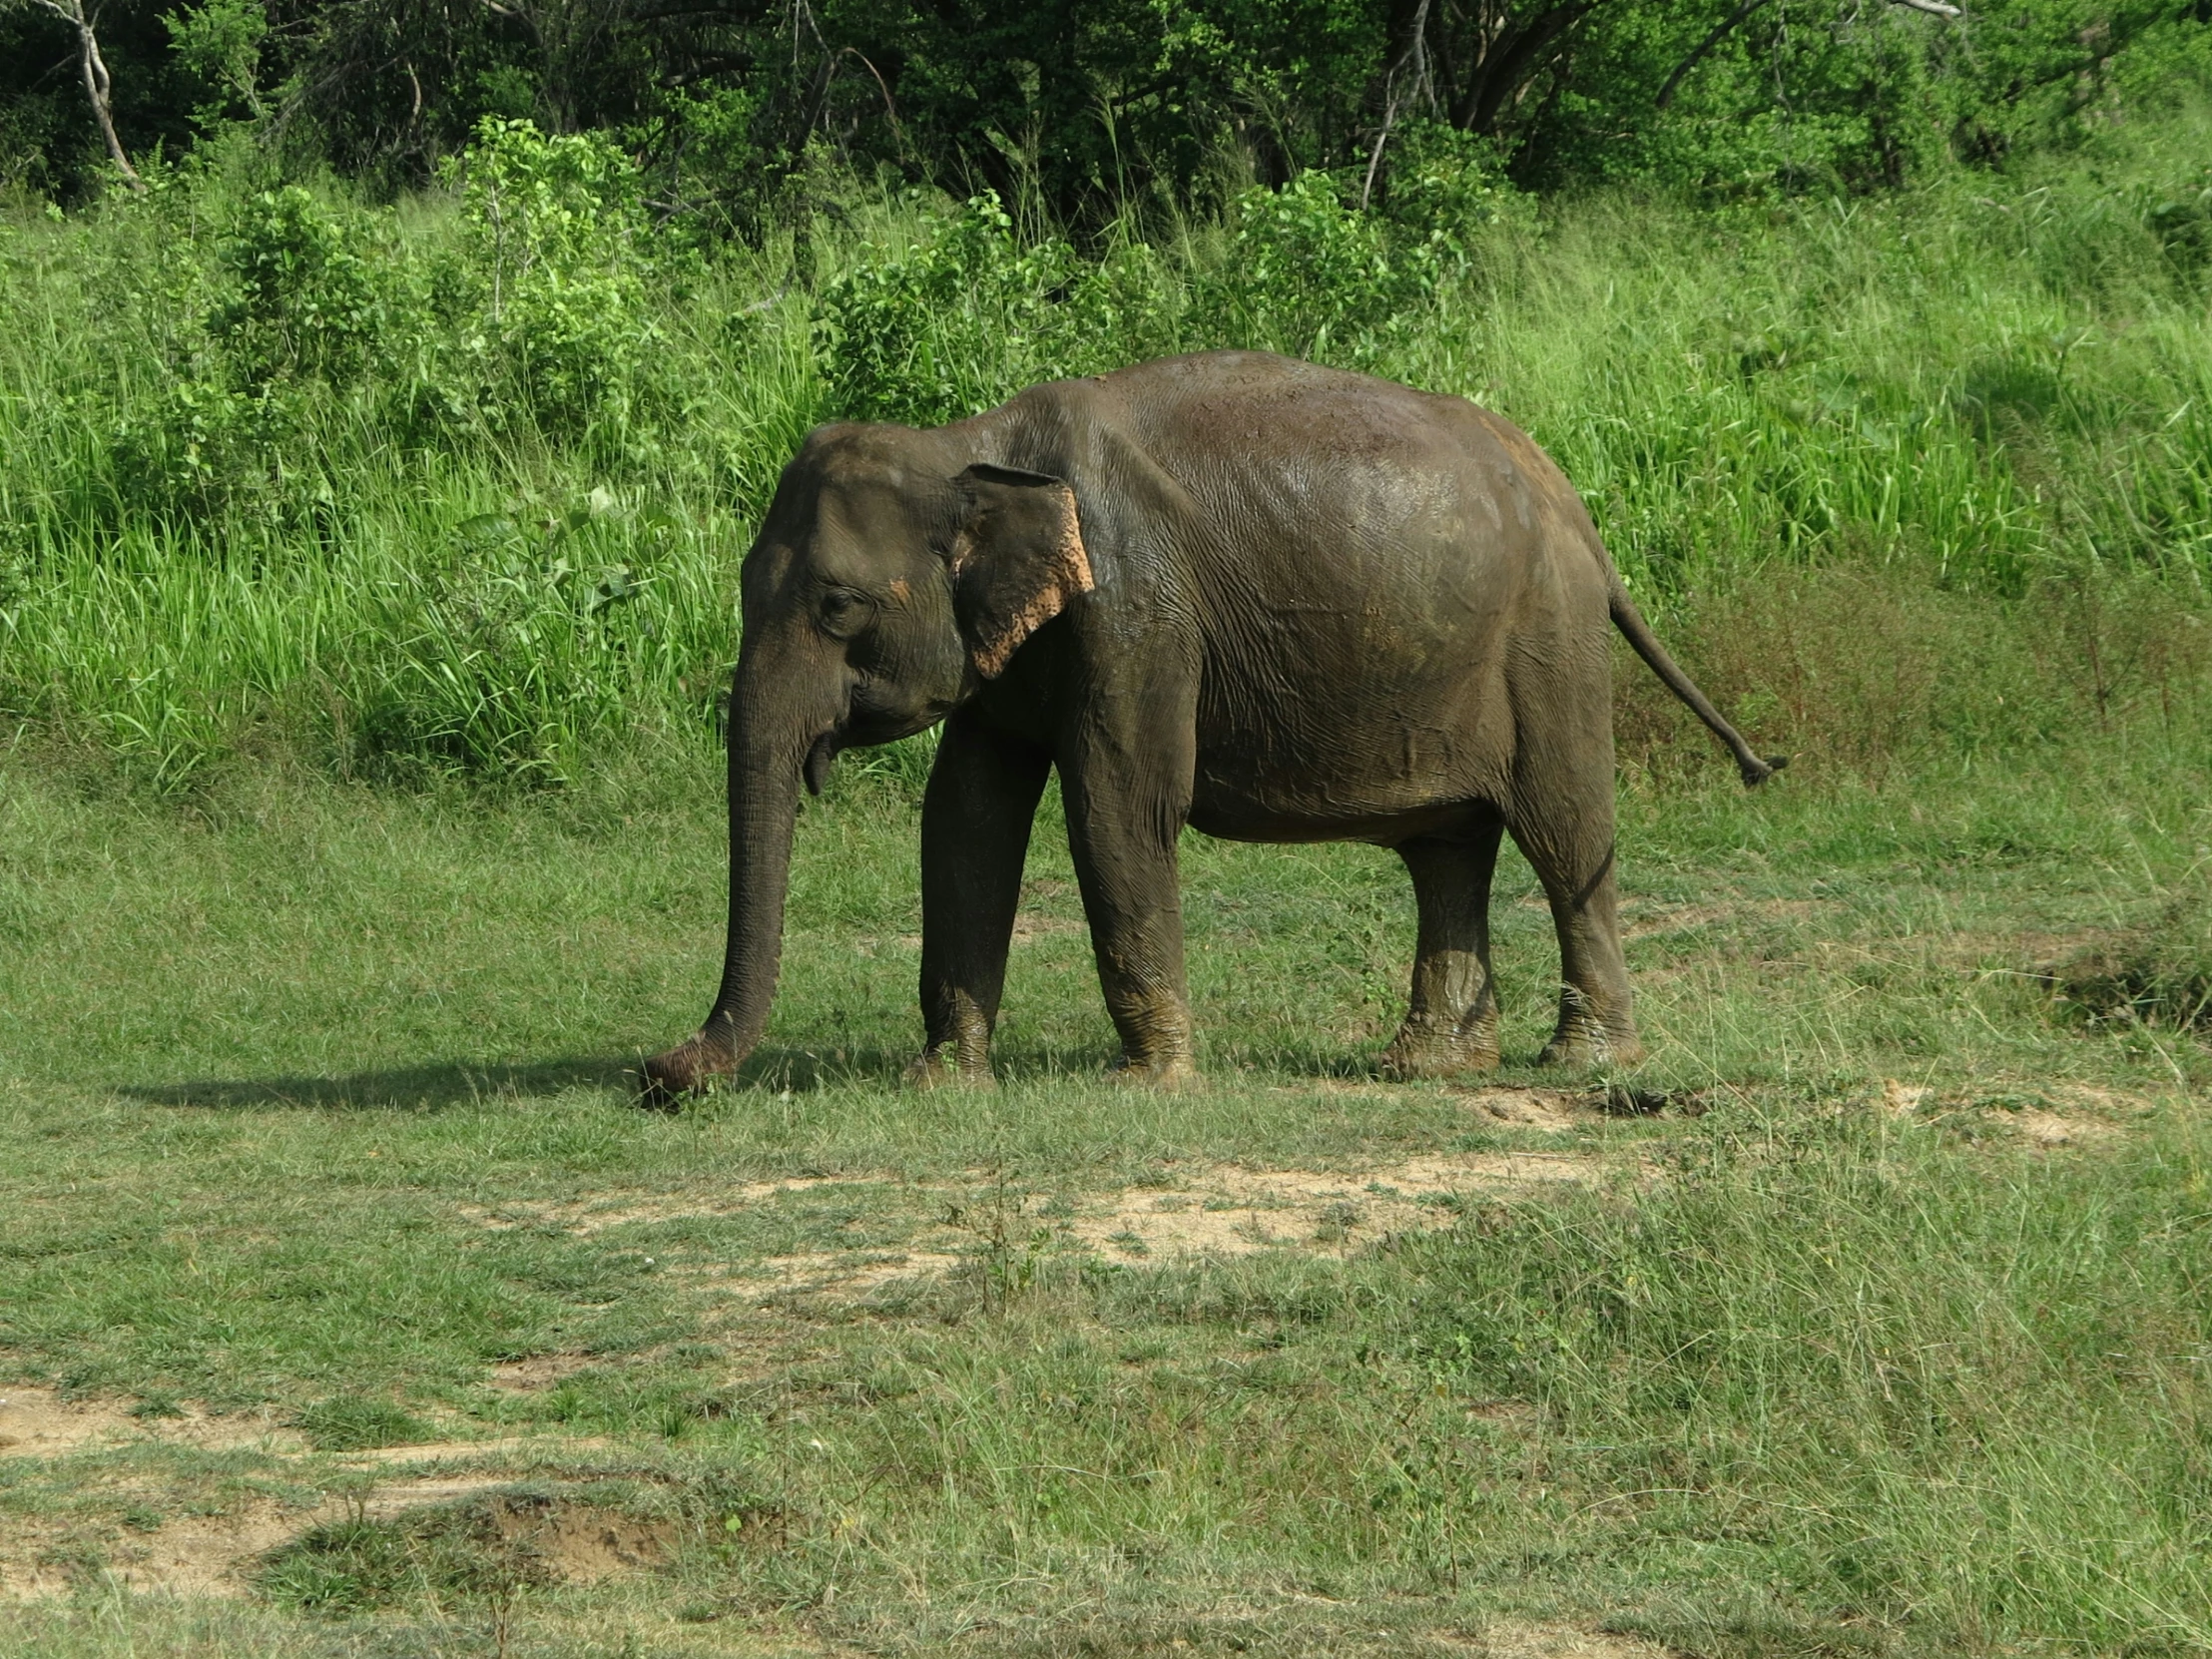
{"x":1514,"y":1640}
{"x":38,"y":1422}
{"x":1232,"y":1211}
{"x":1553,"y":1111}
{"x":539,"y":1370}
{"x":603,"y":1212}
{"x":215,"y":1555}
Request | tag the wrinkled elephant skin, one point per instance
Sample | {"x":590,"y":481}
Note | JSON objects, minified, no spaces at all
{"x":1275,"y":602}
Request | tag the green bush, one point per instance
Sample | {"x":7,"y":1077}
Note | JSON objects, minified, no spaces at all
{"x":943,"y":329}
{"x":548,"y":299}
{"x":303,"y":299}
{"x":1307,"y":275}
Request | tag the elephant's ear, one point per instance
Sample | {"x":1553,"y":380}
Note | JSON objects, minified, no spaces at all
{"x":1016,"y":562}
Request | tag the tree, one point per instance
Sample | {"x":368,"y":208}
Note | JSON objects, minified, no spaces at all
{"x":83,"y":19}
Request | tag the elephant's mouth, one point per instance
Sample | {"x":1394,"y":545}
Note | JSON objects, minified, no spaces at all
{"x":819,"y":759}
{"x":865,"y":728}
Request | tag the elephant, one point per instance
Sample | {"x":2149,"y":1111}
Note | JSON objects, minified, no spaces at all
{"x":1273,"y":600}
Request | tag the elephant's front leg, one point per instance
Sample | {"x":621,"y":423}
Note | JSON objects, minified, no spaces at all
{"x":1126,"y":804}
{"x":975,"y":818}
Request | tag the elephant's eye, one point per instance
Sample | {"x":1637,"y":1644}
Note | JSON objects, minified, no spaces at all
{"x":845,"y":612}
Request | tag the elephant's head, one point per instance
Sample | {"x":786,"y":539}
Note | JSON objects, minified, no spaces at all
{"x":892,"y":575}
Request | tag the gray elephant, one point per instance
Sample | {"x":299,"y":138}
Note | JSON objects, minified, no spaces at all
{"x":1276,"y":601}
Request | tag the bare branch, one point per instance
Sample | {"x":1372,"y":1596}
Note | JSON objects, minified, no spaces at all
{"x":1933,"y":8}
{"x":1415,"y":54}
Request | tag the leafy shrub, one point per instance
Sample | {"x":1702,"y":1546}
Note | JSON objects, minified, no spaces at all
{"x":945,"y":329}
{"x":969,"y":316}
{"x":1307,"y":275}
{"x":1445,"y":184}
{"x":303,"y":299}
{"x":551,"y":291}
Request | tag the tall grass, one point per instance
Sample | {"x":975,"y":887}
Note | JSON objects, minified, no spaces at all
{"x":392,"y":517}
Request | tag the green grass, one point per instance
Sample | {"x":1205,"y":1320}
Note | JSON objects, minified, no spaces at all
{"x":1989,"y":385}
{"x":314,"y":1113}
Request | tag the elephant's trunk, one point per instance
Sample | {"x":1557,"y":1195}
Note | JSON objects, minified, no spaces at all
{"x":766,"y":757}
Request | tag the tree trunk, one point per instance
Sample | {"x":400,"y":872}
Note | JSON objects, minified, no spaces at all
{"x":98,"y":87}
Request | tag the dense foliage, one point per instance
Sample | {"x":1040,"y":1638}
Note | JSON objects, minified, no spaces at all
{"x":455,"y":478}
{"x":735,"y":112}
{"x":461,"y":484}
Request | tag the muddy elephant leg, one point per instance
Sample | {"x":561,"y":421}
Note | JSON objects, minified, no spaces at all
{"x":975,"y":818}
{"x":1123,"y":823}
{"x":1567,"y":838}
{"x":1451,"y":1027}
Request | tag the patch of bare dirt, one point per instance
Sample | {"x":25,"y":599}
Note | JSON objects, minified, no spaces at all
{"x":214,"y":1555}
{"x":2071,"y":1114}
{"x":38,"y":1422}
{"x":1903,"y":1099}
{"x":1514,"y":1639}
{"x":539,"y":1370}
{"x":831,"y":1273}
{"x":2052,"y":1129}
{"x":1553,"y":1111}
{"x":1642,"y":921}
{"x":583,"y":1543}
{"x":1228,"y":1211}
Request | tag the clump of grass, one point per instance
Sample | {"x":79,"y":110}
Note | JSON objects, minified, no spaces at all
{"x":359,"y":1422}
{"x":455,"y":1552}
{"x":2158,"y":973}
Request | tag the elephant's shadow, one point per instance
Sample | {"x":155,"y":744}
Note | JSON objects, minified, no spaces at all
{"x":438,"y":1085}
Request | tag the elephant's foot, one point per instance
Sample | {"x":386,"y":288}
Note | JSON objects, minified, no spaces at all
{"x":1588,"y":1050}
{"x":941,"y":1068}
{"x":1440,"y":1052}
{"x":686,"y":1069}
{"x":1175,"y":1071}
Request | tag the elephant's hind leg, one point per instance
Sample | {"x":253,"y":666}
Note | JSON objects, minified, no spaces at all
{"x":1561,"y":817}
{"x":1451,"y":1027}
{"x":1569,"y":843}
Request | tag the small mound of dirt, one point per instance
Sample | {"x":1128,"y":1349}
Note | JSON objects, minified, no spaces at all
{"x":1552,"y":1111}
{"x":477,"y":1549}
{"x":581,"y":1543}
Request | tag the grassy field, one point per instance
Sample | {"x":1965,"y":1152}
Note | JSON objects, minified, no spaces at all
{"x":362,"y":1313}
{"x":361,"y":629}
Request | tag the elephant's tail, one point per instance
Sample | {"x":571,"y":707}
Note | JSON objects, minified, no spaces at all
{"x":1630,"y":621}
